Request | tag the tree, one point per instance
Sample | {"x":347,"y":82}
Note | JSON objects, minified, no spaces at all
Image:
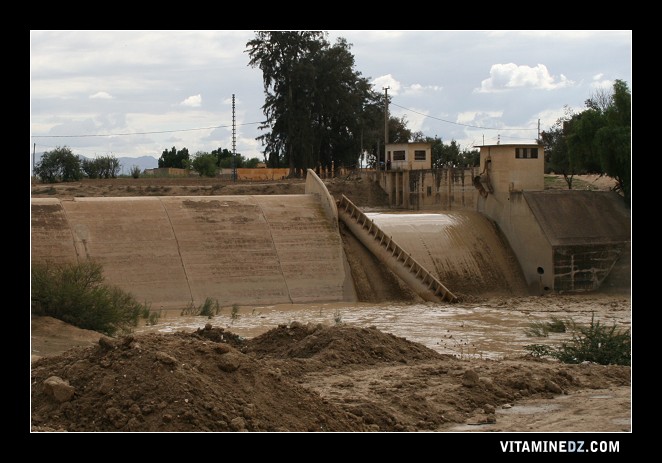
{"x":252,"y":163}
{"x":555,"y":147}
{"x":101,"y":167}
{"x":205,"y":164}
{"x":59,"y":165}
{"x":179,"y":159}
{"x":314,"y":100}
{"x":599,"y":139}
{"x":614,"y":139}
{"x":224,"y":157}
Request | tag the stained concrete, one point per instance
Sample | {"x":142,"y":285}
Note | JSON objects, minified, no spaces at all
{"x":171,"y":251}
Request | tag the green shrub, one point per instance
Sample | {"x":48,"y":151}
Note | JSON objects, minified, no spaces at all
{"x":542,"y":329}
{"x":593,"y":343}
{"x":76,"y":294}
{"x":209,"y":308}
{"x":135,"y":171}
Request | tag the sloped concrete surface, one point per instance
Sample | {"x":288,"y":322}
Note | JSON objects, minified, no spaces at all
{"x":580,"y":217}
{"x":170,"y":251}
{"x":463,"y":249}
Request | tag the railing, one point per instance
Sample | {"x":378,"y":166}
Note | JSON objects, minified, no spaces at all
{"x":427,"y":285}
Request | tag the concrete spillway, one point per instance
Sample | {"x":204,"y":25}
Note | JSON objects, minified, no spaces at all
{"x":463,"y":249}
{"x":171,"y":251}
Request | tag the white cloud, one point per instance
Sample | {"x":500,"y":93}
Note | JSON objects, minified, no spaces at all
{"x":386,"y":81}
{"x":418,"y":89}
{"x":510,"y":75}
{"x":479,"y":118}
{"x":598,"y":76}
{"x":101,"y":96}
{"x":193,"y":101}
{"x":604,"y":84}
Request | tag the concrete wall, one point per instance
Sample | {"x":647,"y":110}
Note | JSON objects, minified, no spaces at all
{"x":508,"y":173}
{"x":266,"y":173}
{"x":526,"y":238}
{"x":167,"y":172}
{"x":440,"y":189}
{"x":171,"y":251}
{"x":564,"y":240}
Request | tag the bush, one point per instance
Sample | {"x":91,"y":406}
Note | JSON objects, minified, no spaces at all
{"x":76,"y":294}
{"x":135,"y":171}
{"x":542,"y":329}
{"x":594,"y":343}
{"x":209,"y":308}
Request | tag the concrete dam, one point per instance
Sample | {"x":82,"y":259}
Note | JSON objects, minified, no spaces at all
{"x":170,"y":251}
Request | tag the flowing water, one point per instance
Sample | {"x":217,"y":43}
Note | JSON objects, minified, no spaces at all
{"x":495,"y":328}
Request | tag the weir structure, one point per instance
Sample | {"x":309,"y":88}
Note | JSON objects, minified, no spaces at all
{"x":399,"y":261}
{"x":174,"y":251}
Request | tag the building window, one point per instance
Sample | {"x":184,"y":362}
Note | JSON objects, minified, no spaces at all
{"x":526,"y":153}
{"x":399,"y":155}
{"x":419,"y":155}
{"x":429,"y":191}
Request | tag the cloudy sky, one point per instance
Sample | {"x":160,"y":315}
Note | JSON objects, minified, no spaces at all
{"x":136,"y":93}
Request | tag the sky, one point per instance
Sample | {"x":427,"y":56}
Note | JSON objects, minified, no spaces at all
{"x":137,"y":93}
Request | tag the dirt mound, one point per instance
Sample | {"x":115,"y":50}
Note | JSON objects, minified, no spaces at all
{"x":156,"y":382}
{"x":337,"y":345}
{"x":291,"y":378}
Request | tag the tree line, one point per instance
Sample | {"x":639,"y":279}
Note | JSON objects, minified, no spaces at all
{"x":62,"y":165}
{"x":205,"y":164}
{"x":597,"y":140}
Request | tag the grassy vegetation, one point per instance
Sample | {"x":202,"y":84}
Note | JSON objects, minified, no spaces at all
{"x":593,"y":343}
{"x":235,"y":312}
{"x":542,"y":329}
{"x":209,"y":308}
{"x":557,"y":182}
{"x":77,"y":294}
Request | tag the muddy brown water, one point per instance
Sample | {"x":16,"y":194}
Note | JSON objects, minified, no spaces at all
{"x":494,"y":329}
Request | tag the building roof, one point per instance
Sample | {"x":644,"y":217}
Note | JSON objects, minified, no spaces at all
{"x":536,"y":145}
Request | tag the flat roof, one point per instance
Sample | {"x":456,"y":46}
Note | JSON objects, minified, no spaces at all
{"x":509,"y":144}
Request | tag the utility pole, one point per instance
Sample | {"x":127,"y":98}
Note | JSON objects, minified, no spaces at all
{"x":234,"y":146}
{"x":34,"y":147}
{"x":538,"y":129}
{"x":385,"y":122}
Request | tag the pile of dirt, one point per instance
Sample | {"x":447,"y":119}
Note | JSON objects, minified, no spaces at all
{"x":292,"y":378}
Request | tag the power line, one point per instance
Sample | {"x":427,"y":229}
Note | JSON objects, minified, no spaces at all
{"x":456,"y":123}
{"x":139,"y":133}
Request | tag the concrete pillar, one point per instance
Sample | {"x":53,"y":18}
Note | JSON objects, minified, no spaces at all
{"x":405,"y":189}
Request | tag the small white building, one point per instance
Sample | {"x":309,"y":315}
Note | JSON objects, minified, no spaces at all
{"x":408,"y":156}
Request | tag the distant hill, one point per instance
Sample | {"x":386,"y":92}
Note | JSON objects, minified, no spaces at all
{"x":144,"y":162}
